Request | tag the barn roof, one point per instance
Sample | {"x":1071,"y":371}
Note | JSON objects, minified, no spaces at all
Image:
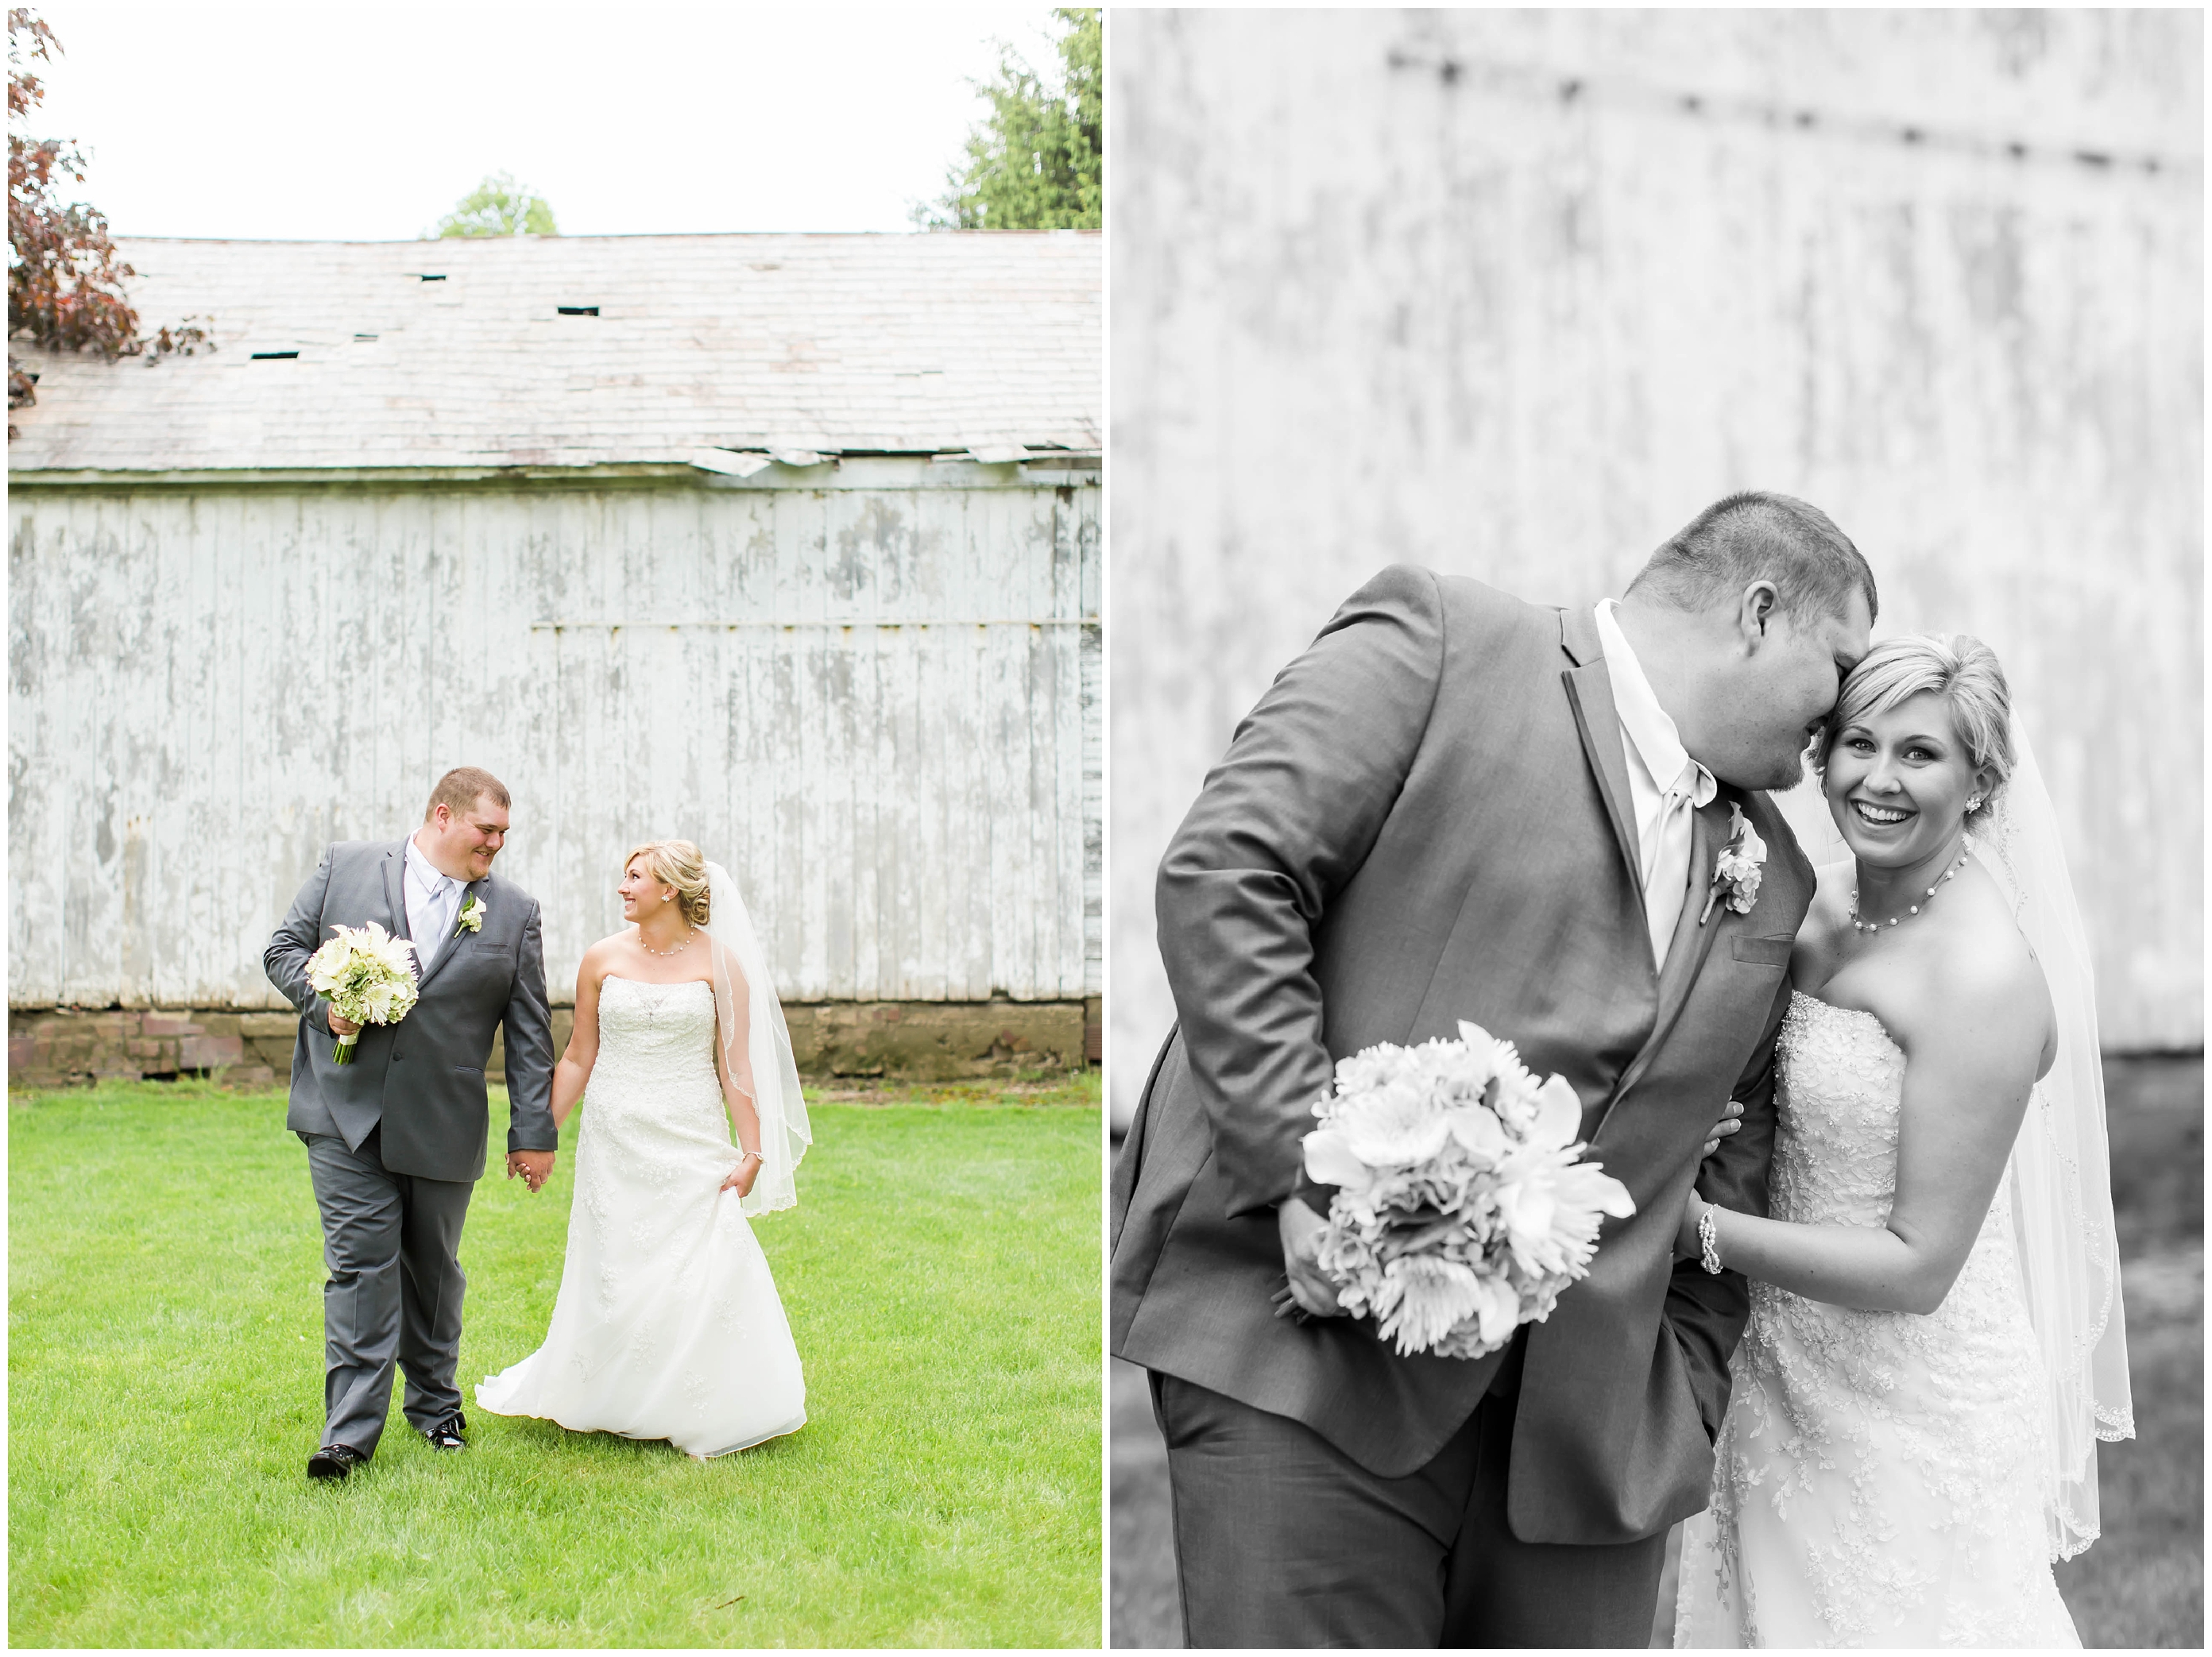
{"x":459,"y":353}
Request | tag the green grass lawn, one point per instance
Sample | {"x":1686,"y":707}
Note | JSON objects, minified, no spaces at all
{"x":941,"y":1276}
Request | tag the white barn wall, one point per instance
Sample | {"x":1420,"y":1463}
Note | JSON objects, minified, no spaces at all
{"x":876,"y":699}
{"x":1480,"y":291}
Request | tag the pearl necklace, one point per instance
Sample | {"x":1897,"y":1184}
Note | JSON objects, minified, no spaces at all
{"x":1965,"y":851}
{"x":649,"y":949}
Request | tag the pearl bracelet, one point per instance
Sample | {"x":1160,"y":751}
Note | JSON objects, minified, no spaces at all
{"x":1709,"y":1247}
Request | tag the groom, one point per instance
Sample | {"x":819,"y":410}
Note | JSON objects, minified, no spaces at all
{"x":1457,"y":805}
{"x":396,"y":1138}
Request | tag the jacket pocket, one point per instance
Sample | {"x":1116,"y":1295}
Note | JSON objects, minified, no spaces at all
{"x":1764,"y":952}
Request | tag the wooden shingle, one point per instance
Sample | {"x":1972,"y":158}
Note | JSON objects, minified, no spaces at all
{"x":946,"y":342}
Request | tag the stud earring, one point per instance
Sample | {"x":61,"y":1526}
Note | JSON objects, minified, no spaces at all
{"x":1974,"y":802}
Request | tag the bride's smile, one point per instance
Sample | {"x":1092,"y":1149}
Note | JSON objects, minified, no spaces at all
{"x":1879,"y":817}
{"x":1901,"y":786}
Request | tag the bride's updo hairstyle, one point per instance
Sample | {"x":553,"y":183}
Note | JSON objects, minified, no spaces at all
{"x":1957,"y":667}
{"x":680,"y":864}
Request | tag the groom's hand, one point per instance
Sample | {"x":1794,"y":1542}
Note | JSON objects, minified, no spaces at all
{"x":535,"y":1166}
{"x":339,"y":1026}
{"x":1301,"y":1230}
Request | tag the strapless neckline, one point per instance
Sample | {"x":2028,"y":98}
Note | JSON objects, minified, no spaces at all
{"x":1880,"y":1028}
{"x":647,"y":983}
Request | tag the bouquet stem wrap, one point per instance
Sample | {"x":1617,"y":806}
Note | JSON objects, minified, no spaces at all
{"x":368,"y":975}
{"x":1462,"y":1210}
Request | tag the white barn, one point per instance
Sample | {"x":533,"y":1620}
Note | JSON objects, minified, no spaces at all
{"x":1515,"y":293}
{"x":787,"y":544}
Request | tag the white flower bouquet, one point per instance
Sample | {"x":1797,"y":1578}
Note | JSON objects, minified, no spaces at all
{"x":366,"y":975}
{"x":1461,"y":1211}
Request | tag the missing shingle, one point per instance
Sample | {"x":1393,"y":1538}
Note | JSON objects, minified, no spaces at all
{"x":273,"y":356}
{"x":577,"y":310}
{"x":426,"y":276}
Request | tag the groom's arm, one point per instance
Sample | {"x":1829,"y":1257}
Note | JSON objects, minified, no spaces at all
{"x":1707,"y":1312}
{"x":528,"y":1024}
{"x":1283,"y":822}
{"x":296,"y":938}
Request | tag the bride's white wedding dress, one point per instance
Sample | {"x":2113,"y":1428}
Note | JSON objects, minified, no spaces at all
{"x":667,"y":1324}
{"x":1878,"y":1478}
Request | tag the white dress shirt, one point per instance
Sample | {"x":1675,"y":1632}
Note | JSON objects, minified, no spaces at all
{"x":1662,"y":809}
{"x":433,"y":902}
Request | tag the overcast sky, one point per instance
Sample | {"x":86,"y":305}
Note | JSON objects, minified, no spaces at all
{"x":311,"y":121}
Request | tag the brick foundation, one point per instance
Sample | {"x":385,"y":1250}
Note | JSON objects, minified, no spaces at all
{"x":894,"y":1041}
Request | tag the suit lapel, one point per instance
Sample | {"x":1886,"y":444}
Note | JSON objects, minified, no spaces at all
{"x":453,"y":945}
{"x":1687,"y":951}
{"x":1589,"y":693}
{"x":395,"y":890}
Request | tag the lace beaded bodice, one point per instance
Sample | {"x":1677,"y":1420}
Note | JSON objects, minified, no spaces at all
{"x":1835,"y":1155}
{"x":662,"y":1031}
{"x":1878,"y":1478}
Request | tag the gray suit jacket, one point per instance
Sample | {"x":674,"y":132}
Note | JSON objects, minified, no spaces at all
{"x":424,"y":1078}
{"x":1426,"y":818}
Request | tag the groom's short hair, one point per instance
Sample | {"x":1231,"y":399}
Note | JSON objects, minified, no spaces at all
{"x":460,"y":788}
{"x":1755,"y":536}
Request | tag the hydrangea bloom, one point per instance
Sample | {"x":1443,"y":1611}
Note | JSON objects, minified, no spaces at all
{"x":366,"y":975}
{"x":1741,"y":866}
{"x":1462,"y":1210}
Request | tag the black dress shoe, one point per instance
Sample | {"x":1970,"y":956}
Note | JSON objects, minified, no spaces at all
{"x":335,"y":1461}
{"x":447,"y":1434}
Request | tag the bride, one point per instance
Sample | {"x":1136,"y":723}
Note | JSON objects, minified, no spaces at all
{"x":1936,"y":1343}
{"x":667,"y":1324}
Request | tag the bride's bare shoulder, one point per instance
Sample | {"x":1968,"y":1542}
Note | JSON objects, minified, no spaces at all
{"x":1974,"y":972}
{"x":602,"y":955}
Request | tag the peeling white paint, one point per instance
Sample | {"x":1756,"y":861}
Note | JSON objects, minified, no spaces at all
{"x":209,"y":684}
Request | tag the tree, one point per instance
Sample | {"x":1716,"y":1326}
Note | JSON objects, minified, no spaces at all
{"x":65,"y":277}
{"x":497,"y":207}
{"x":1035,"y":161}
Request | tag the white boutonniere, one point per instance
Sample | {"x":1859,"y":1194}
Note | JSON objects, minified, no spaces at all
{"x":472,"y":914}
{"x":1736,"y":876}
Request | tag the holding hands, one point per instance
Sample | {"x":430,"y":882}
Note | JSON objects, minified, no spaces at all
{"x":533,"y":1167}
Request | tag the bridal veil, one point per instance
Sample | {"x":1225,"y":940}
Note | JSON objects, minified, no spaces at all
{"x":756,"y":1044}
{"x":2062,"y":1187}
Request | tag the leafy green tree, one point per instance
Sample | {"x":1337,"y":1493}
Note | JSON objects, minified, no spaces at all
{"x":497,"y":207}
{"x":1037,"y":161}
{"x":65,"y":278}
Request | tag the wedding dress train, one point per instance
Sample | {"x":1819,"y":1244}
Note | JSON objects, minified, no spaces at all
{"x":667,"y":1323}
{"x":1878,"y":1477}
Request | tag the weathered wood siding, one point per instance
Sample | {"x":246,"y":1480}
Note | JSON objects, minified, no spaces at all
{"x":1515,"y":293}
{"x":875,"y":700}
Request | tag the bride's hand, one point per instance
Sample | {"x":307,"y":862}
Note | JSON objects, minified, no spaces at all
{"x":1728,"y":1123}
{"x":742,"y":1175}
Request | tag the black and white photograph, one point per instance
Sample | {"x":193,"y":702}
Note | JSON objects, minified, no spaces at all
{"x":1655,"y":806}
